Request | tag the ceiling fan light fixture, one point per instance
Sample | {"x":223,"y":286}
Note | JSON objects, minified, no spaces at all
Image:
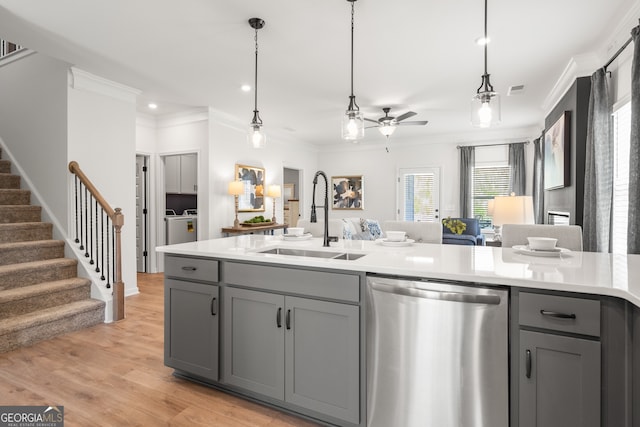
{"x":387,"y":129}
{"x":485,"y":104}
{"x":256,"y":136}
{"x":353,"y":119}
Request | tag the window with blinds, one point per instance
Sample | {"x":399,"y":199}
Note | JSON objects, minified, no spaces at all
{"x":488,"y":182}
{"x":621,"y":136}
{"x":419,"y":195}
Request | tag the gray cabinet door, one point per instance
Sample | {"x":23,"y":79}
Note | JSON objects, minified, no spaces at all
{"x":559,"y":381}
{"x":191,"y":327}
{"x":188,"y":174}
{"x":254,"y":341}
{"x":172,"y":174}
{"x":322,"y":357}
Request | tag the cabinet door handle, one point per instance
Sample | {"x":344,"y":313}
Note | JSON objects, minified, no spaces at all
{"x":528,"y":363}
{"x":279,"y":318}
{"x":189,"y":268}
{"x":288,"y":319}
{"x":557,"y":314}
{"x":214,"y":306}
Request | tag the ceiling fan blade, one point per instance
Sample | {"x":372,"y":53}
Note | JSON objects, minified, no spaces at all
{"x":371,"y":120}
{"x":405,"y":116}
{"x":415,"y":123}
{"x":369,"y":127}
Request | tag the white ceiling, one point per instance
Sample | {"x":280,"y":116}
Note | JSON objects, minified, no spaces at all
{"x":414,"y":55}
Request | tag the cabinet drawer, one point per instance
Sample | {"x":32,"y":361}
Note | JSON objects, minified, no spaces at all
{"x":321,"y":284}
{"x":191,"y":268}
{"x":566,"y":314}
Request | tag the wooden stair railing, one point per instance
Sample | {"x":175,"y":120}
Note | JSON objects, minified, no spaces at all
{"x":98,"y":232}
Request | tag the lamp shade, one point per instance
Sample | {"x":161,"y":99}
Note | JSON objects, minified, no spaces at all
{"x":274,"y":191}
{"x":490,"y":207}
{"x":513,"y":210}
{"x":236,"y":188}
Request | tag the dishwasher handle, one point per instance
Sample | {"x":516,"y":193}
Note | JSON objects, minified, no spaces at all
{"x":436,"y":295}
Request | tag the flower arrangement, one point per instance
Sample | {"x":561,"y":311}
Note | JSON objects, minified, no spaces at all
{"x":454,"y":225}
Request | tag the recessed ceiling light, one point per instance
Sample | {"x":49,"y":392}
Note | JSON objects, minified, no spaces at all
{"x":152,"y":105}
{"x":481,"y":41}
{"x":245,"y":88}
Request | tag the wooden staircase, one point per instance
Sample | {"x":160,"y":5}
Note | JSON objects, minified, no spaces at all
{"x":41,"y":295}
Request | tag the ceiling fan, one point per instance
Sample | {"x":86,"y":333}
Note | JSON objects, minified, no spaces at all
{"x":387,"y":124}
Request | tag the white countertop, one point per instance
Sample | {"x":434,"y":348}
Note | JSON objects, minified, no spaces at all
{"x":586,"y":272}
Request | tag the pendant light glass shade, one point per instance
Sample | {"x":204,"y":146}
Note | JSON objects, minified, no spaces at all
{"x":256,"y":136}
{"x":353,"y":125}
{"x":485,"y":105}
{"x":485,"y":109}
{"x":353,"y":119}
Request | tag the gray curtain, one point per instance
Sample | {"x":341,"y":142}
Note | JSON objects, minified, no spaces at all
{"x":633,"y":234}
{"x":516,"y":161}
{"x":538,"y":179}
{"x":467,"y":162}
{"x":598,"y":174}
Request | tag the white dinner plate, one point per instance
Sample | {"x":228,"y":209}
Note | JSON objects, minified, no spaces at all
{"x":301,"y":237}
{"x":526,"y":250}
{"x":387,"y":242}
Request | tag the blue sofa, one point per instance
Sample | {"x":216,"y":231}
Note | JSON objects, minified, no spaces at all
{"x":470,"y":236}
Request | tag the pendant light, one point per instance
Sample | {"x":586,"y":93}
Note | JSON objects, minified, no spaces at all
{"x":256,"y":136}
{"x":485,"y":105}
{"x":353,"y":119}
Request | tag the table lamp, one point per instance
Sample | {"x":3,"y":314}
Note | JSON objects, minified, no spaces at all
{"x":512,"y":210}
{"x":275,"y":192}
{"x":236,"y":188}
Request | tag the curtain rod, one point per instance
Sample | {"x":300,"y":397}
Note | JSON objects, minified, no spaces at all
{"x":615,"y":55}
{"x":491,"y":145}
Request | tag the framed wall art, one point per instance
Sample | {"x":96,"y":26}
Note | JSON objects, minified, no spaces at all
{"x":557,"y":153}
{"x":253,"y":179}
{"x":348,"y":192}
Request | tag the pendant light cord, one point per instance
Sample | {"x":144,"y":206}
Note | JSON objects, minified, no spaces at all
{"x":255,"y":85}
{"x":352,"y":20}
{"x":486,"y":40}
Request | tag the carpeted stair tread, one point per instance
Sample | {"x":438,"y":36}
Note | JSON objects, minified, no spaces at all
{"x":18,"y":301}
{"x":25,"y":231}
{"x":20,"y":213}
{"x":14,"y":196}
{"x":8,"y":180}
{"x":39,"y":250}
{"x":30,"y":273}
{"x":5,"y":166}
{"x":44,"y":324}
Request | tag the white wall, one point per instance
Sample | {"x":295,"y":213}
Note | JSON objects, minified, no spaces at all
{"x":102,"y":139}
{"x":33,"y":125}
{"x":380,"y":169}
{"x":229,"y":147}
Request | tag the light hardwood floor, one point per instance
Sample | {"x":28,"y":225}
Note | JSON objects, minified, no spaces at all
{"x":113,"y":375}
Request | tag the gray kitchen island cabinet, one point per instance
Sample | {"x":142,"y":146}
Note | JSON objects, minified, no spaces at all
{"x":559,"y":359}
{"x":191,"y":333}
{"x":300,"y":350}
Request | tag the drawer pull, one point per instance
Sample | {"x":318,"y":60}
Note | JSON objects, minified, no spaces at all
{"x":214,"y":306}
{"x":528,"y":363}
{"x":288,"y":319}
{"x":279,"y":318}
{"x":557,"y":314}
{"x":189,"y":268}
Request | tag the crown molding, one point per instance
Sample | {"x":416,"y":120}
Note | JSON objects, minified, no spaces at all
{"x":578,"y":66}
{"x":83,"y":80}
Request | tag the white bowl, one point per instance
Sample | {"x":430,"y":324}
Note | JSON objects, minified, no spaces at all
{"x":295,"y":231}
{"x":396,"y":236}
{"x":542,"y":243}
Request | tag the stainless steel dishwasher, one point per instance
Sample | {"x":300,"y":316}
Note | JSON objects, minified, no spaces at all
{"x":437,"y":354}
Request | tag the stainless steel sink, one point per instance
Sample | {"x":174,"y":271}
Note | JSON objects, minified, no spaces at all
{"x":313,"y":254}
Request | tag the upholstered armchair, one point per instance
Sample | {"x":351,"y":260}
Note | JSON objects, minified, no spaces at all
{"x":470,"y":236}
